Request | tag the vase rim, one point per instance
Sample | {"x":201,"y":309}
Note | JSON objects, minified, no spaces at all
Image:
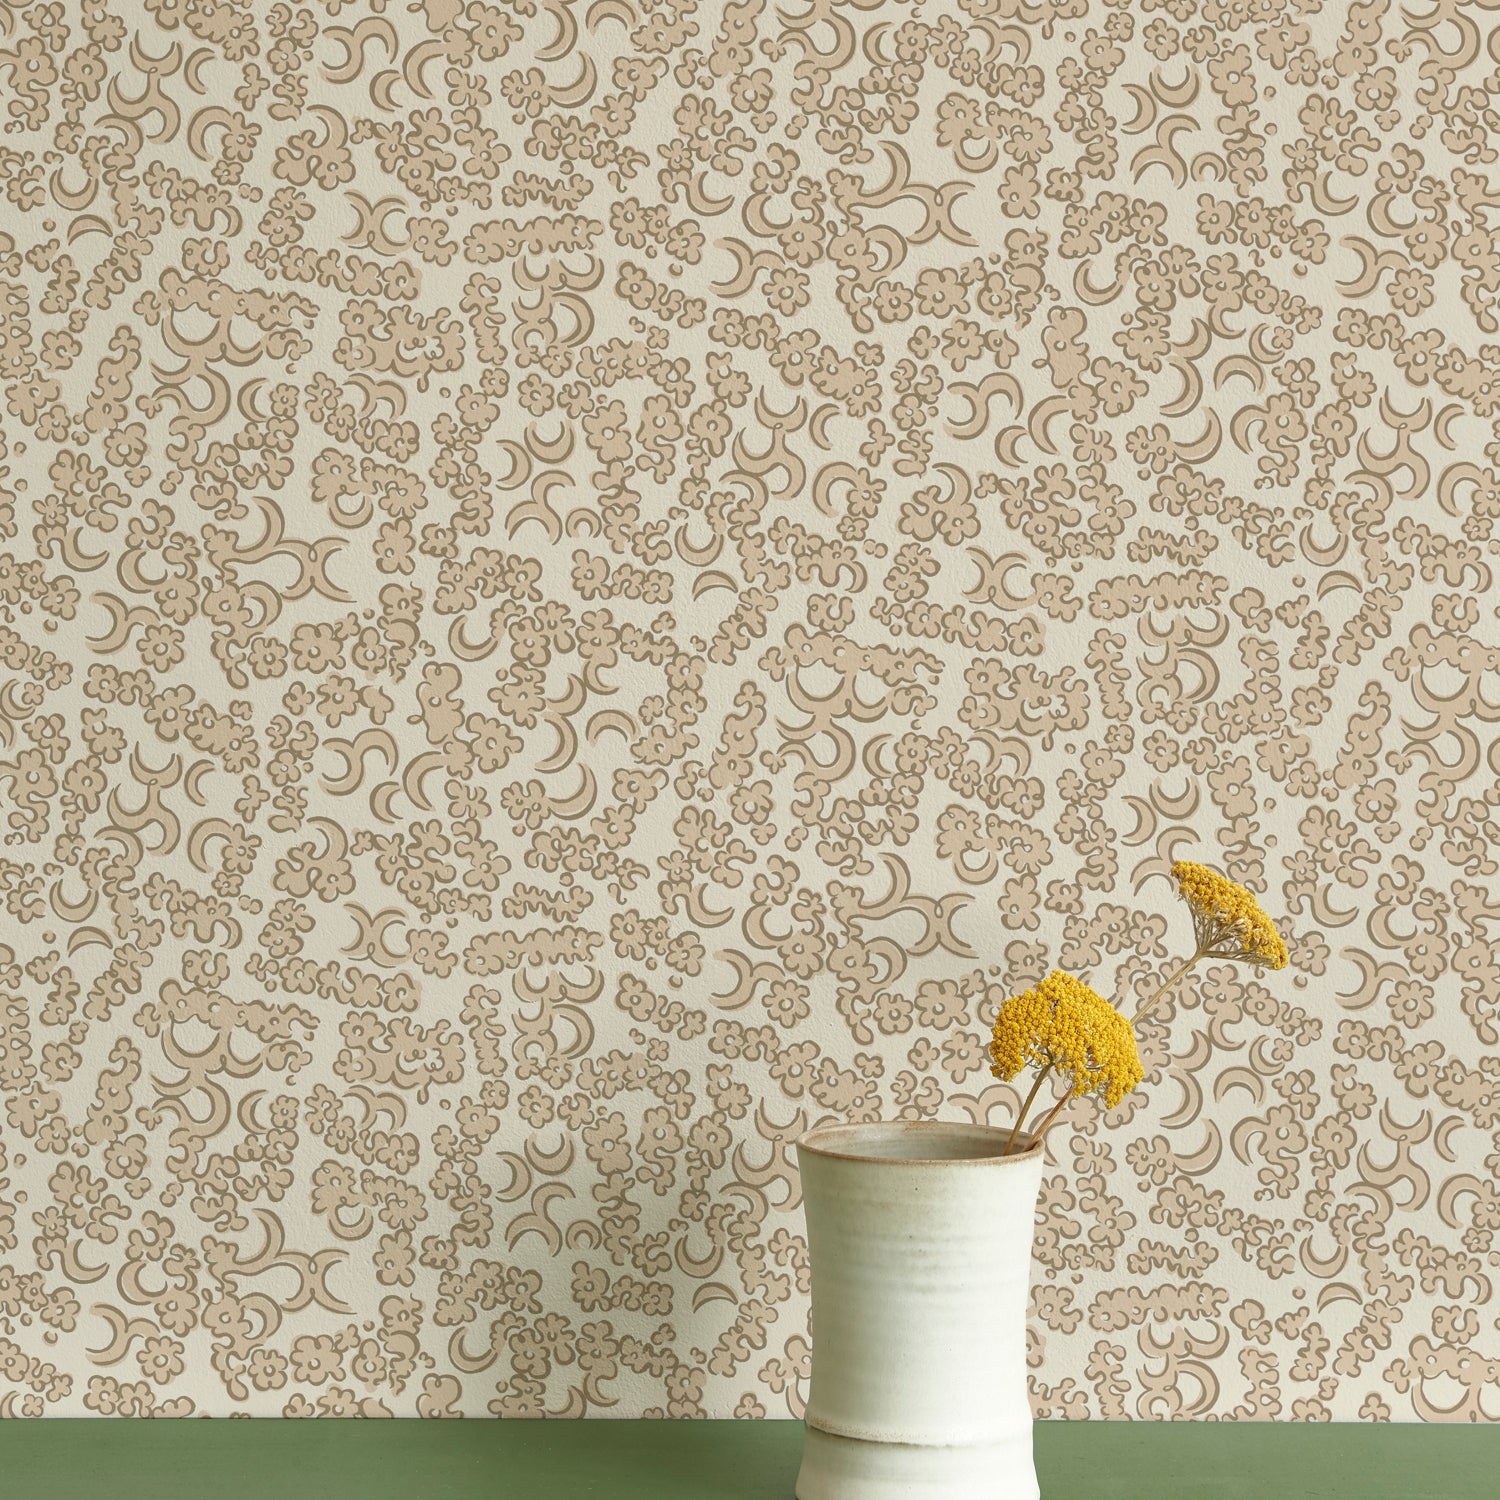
{"x":916,"y":1143}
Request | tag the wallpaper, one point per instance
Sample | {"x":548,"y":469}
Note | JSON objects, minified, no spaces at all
{"x":586,"y":586}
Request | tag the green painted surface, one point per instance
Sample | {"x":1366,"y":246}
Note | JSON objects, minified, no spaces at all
{"x":111,"y":1459}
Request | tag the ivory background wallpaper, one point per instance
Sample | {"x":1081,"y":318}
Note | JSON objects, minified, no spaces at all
{"x":586,"y":586}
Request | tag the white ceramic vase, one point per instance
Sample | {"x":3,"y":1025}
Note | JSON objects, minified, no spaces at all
{"x":920,"y":1241}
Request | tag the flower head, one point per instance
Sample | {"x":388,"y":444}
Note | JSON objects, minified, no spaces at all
{"x":1227,"y":918}
{"x":1063,"y":1024}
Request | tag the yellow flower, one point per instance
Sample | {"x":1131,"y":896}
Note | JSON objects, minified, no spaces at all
{"x":1064,"y":1025}
{"x":1227,"y":918}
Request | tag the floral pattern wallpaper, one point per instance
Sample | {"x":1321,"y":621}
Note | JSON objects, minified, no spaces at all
{"x":584,"y":586}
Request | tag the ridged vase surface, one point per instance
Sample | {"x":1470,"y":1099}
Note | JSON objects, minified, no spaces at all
{"x":920,"y":1239}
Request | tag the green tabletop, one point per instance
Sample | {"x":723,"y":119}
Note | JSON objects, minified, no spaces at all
{"x":326,"y":1459}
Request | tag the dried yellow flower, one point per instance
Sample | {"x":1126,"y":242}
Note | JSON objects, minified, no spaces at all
{"x":1227,"y":918}
{"x":1063,"y":1025}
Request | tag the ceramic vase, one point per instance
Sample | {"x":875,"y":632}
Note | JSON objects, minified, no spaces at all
{"x":920,"y":1237}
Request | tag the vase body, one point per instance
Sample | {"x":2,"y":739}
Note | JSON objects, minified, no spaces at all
{"x":919,"y":1236}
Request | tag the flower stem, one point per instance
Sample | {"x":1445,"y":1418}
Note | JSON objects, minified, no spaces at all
{"x":1166,"y":986}
{"x":1051,"y":1115}
{"x":1025,"y":1108}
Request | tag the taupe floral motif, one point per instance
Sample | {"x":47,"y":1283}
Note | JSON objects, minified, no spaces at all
{"x":584,"y":586}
